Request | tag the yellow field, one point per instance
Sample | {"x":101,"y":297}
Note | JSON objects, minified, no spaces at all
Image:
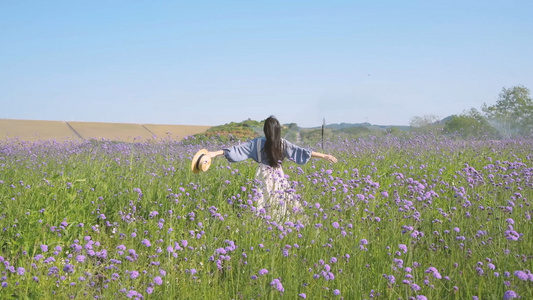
{"x":174,"y":132}
{"x":28,"y":130}
{"x":31,"y":130}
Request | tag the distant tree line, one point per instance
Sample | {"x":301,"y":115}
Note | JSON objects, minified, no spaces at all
{"x":511,"y":116}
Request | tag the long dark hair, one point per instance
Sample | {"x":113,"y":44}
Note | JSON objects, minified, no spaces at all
{"x":273,"y":145}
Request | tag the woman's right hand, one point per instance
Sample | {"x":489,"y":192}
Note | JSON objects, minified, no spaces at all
{"x":214,"y":154}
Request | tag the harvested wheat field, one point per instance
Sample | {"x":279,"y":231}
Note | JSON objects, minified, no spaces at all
{"x":174,"y":132}
{"x":111,"y":131}
{"x":31,"y":130}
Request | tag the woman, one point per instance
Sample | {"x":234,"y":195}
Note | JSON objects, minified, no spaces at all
{"x":269,"y":152}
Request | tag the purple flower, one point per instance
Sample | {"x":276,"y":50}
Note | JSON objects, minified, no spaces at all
{"x":363,"y":242}
{"x":435,"y":272}
{"x":149,"y":290}
{"x":80,"y":258}
{"x":44,"y":248}
{"x":134,"y":274}
{"x":403,"y":248}
{"x":146,"y":243}
{"x":521,"y":275}
{"x":68,"y":268}
{"x":390,"y":278}
{"x":336,"y":292}
{"x":276,"y":283}
{"x":21,"y":271}
{"x":512,"y":235}
{"x":509,"y":295}
{"x":263,"y":272}
{"x":133,"y":293}
{"x":303,"y":295}
{"x":158,"y":280}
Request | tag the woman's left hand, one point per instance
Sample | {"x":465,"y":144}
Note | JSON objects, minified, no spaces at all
{"x":331,"y":158}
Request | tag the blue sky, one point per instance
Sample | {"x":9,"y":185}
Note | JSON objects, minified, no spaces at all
{"x":213,"y":62}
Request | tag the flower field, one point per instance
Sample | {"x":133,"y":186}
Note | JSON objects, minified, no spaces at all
{"x":414,"y":217}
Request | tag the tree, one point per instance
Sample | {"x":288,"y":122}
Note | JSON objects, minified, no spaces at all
{"x":513,"y":112}
{"x":470,"y":124}
{"x":423,"y":121}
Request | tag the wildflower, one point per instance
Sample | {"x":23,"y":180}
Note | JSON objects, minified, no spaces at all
{"x":403,"y":248}
{"x":521,"y":275}
{"x":158,"y":280}
{"x":44,"y":248}
{"x":21,"y":271}
{"x":263,"y":272}
{"x":68,"y":268}
{"x":302,"y":295}
{"x":146,"y":243}
{"x":133,"y":293}
{"x":512,"y":235}
{"x":336,"y":292}
{"x":510,"y":294}
{"x":390,"y":278}
{"x":134,"y":274}
{"x":276,"y":283}
{"x":479,"y":271}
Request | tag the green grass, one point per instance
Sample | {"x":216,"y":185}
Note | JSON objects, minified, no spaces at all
{"x":432,"y":186}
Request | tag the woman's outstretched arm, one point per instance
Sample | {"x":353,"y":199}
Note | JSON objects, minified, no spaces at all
{"x":327,"y":157}
{"x":214,"y":154}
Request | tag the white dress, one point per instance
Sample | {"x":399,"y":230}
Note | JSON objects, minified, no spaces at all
{"x":274,"y":196}
{"x":275,"y":200}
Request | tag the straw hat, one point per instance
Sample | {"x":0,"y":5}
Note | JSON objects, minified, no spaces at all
{"x":201,"y":161}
